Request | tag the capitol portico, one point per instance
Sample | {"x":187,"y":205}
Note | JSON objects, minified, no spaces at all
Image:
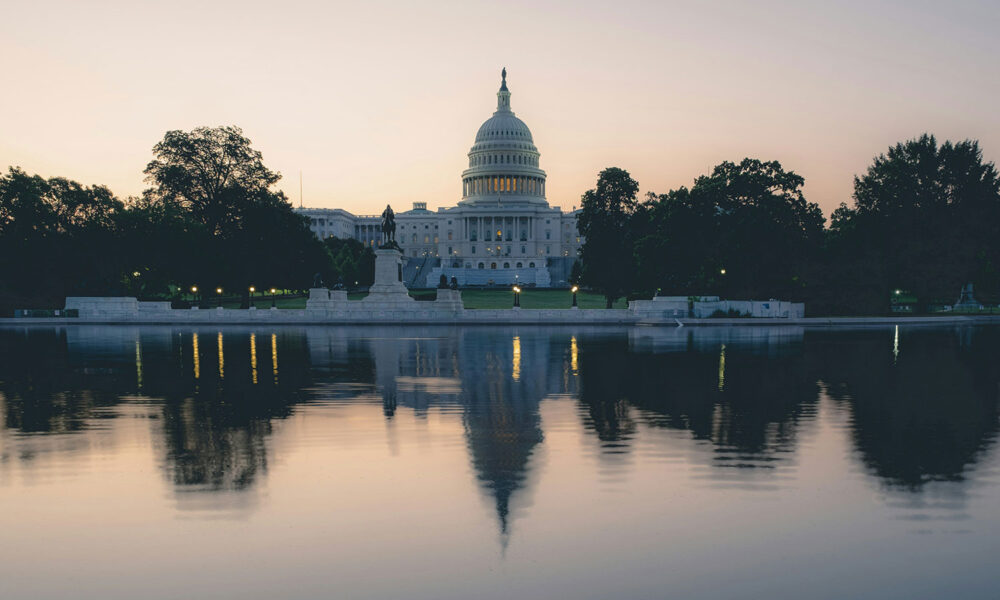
{"x":502,"y":231}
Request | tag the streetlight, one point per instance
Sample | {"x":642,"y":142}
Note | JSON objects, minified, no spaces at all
{"x":517,"y":297}
{"x":273,"y":292}
{"x":194,"y":294}
{"x":722,"y":271}
{"x":252,"y":290}
{"x":574,"y":289}
{"x":218,"y":292}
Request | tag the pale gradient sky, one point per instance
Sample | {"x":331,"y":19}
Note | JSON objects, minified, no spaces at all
{"x":379,"y":102}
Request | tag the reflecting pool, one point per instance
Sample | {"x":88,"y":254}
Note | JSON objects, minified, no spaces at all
{"x":508,"y":462}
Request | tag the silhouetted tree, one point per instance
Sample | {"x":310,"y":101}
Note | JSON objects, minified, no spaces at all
{"x":253,"y":235}
{"x":928,"y":217}
{"x":576,"y":272}
{"x":745,"y":230}
{"x":352,"y":261}
{"x":604,"y":221}
{"x":57,"y":238}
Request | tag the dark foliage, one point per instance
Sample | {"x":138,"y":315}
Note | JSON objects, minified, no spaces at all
{"x":210,"y":220}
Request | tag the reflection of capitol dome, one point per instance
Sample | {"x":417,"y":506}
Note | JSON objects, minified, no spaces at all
{"x":503,"y":162}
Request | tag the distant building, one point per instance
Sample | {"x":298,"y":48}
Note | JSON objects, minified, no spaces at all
{"x":501,"y":232}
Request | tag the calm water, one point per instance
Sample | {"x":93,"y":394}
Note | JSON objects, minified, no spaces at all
{"x":438,"y":463}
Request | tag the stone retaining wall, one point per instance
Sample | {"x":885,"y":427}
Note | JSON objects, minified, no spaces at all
{"x":333,"y":308}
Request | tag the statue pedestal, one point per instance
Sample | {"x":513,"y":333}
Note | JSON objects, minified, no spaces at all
{"x":319,"y":299}
{"x":449,"y":299}
{"x":388,"y":290}
{"x":323,"y":299}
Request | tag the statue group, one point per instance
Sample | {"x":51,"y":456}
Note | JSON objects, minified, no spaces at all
{"x":444,"y":285}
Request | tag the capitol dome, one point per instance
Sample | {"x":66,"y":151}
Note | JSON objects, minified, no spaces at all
{"x":503,"y":161}
{"x":503,"y":125}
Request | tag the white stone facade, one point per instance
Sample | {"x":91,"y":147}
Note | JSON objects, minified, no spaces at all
{"x":501,"y":232}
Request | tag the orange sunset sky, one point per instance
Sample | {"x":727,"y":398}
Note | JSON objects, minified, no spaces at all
{"x":378,"y":102}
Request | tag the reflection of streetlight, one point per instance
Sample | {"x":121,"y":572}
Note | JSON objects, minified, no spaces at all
{"x":218,"y":292}
{"x":252,"y":290}
{"x":517,"y":297}
{"x":273,"y":292}
{"x":574,"y":289}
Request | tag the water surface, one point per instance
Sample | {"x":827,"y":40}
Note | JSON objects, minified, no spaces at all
{"x":515,"y":462}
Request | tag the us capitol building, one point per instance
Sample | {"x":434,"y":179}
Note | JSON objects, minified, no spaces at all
{"x":502,"y":231}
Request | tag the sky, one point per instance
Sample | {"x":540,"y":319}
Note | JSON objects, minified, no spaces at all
{"x":378,"y":102}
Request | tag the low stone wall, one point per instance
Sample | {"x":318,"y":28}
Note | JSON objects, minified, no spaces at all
{"x":103,"y":307}
{"x":395,"y":307}
{"x":680,"y":307}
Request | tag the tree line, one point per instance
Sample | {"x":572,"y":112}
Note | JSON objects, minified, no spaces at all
{"x":924,"y":221}
{"x":209,"y":219}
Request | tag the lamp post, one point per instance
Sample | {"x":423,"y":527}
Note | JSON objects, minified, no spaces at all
{"x":252,"y":290}
{"x":218,"y":292}
{"x":574,"y":289}
{"x":273,"y":292}
{"x":517,"y":297}
{"x":194,"y":294}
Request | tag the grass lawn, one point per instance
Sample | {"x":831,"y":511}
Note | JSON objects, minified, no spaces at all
{"x":530,"y":298}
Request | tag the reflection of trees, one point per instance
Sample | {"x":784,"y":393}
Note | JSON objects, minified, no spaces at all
{"x":605,"y":370}
{"x":739,"y":396}
{"x":216,"y":423}
{"x":46,"y":390}
{"x":923,"y":415}
{"x":217,"y":406}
